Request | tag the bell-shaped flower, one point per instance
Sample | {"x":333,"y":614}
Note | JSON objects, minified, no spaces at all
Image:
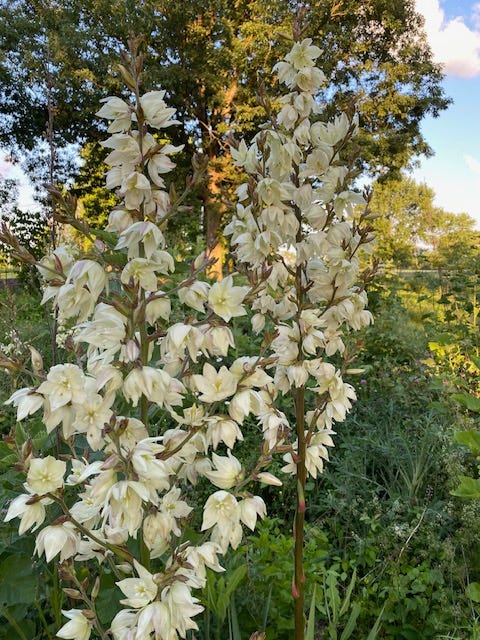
{"x":136,"y":189}
{"x":31,"y":512}
{"x":309,"y":78}
{"x":153,"y":535}
{"x":220,"y":507}
{"x":107,"y":329}
{"x":117,"y":110}
{"x":116,"y":175}
{"x":45,"y":475}
{"x":123,"y":625}
{"x":160,"y":163}
{"x":82,"y":470}
{"x":74,"y":301}
{"x":182,"y":606}
{"x":181,"y":337}
{"x":195,"y":295}
{"x":199,"y":558}
{"x":148,"y":467}
{"x":56,"y":264}
{"x":90,"y":274}
{"x":250,"y":508}
{"x":141,"y":272}
{"x":60,"y":539}
{"x":124,"y":504}
{"x":125,"y":149}
{"x":156,"y":112}
{"x":79,"y":626}
{"x":217,"y":340}
{"x":26,"y":401}
{"x":221,"y":429}
{"x":158,"y":308}
{"x":155,"y":619}
{"x":91,"y":417}
{"x":119,"y":219}
{"x":145,"y":233}
{"x":243,"y":402}
{"x":303,"y":54}
{"x":227,"y":473}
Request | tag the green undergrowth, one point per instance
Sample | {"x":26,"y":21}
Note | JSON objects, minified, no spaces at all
{"x":390,"y":552}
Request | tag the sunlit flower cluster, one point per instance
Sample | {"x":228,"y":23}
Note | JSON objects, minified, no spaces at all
{"x":302,"y":208}
{"x":155,"y":403}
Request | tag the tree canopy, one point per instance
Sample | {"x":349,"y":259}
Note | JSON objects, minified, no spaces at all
{"x":412,"y":231}
{"x":211,"y":57}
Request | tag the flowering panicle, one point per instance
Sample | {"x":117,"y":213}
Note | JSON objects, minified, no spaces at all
{"x":159,"y":404}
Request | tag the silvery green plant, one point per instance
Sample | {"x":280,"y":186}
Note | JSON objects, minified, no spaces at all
{"x":154,"y":404}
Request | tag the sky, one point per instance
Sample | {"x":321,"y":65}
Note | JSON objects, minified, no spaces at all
{"x":453,"y":31}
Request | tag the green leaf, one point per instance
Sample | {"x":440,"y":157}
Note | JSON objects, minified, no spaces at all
{"x":352,"y":622}
{"x":17,"y":581}
{"x":468,"y":401}
{"x":7,"y":455}
{"x":346,"y":601}
{"x":376,"y":627}
{"x":235,"y":579}
{"x":107,"y":603}
{"x":476,"y":361}
{"x":473,"y":591}
{"x":442,"y":340}
{"x":470,"y":439}
{"x":236,"y":635}
{"x":468,"y":488}
{"x":309,"y":634}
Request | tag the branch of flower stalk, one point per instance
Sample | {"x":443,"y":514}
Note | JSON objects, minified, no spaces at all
{"x":168,"y":453}
{"x":18,"y":251}
{"x":121,"y":552}
{"x":91,"y":613}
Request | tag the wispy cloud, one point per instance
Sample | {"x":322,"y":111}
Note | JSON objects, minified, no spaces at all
{"x":473,"y":164}
{"x":454,"y":44}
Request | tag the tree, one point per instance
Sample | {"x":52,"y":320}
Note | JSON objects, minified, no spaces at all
{"x":209,"y":55}
{"x":453,"y":241}
{"x":404,"y":211}
{"x":409,"y":225}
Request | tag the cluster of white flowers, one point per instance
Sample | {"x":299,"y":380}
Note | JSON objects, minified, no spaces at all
{"x":152,"y":400}
{"x":296,"y":202}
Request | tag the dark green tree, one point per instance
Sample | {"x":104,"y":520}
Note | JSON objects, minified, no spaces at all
{"x":57,"y":58}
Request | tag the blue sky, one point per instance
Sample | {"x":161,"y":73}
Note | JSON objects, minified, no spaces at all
{"x":453,"y":30}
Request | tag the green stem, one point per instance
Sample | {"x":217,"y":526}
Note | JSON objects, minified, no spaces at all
{"x":43,"y":619}
{"x":56,"y":599}
{"x":13,"y":623}
{"x":144,"y":552}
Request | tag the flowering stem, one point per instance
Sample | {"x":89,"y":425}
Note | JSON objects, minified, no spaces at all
{"x":299,"y":576}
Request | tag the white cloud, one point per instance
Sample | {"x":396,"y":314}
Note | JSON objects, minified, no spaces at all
{"x":454,"y":44}
{"x":473,"y":164}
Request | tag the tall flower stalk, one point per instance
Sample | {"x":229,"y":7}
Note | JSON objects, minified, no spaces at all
{"x":297,"y":232}
{"x":151,"y":394}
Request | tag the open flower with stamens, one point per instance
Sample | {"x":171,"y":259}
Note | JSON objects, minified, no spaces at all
{"x":45,"y":475}
{"x":139,"y":591}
